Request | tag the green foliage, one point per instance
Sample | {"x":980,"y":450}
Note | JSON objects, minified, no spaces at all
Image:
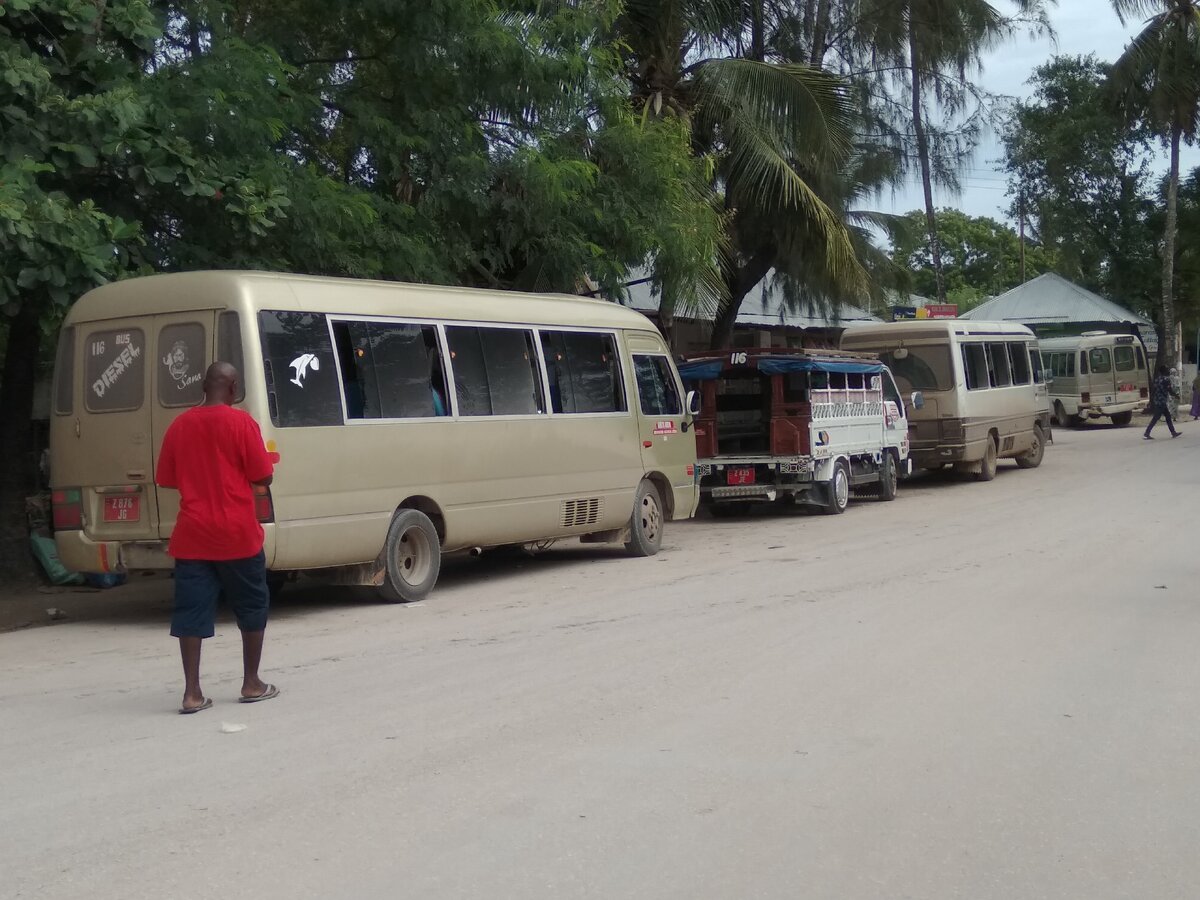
{"x":980,"y":256}
{"x":1083,"y":180}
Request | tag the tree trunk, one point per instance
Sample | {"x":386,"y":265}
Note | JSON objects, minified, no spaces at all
{"x":18,"y":474}
{"x":1167,"y":350}
{"x":740,"y":283}
{"x":816,"y":52}
{"x":758,"y":44}
{"x":935,"y":248}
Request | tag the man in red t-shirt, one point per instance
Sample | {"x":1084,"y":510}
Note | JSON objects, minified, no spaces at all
{"x":213,"y":455}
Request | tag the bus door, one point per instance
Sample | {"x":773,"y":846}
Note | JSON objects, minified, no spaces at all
{"x":111,"y":458}
{"x":668,"y":439}
{"x":182,"y":347}
{"x":1102,"y":380}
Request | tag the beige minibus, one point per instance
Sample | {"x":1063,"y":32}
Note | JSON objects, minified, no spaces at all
{"x":1096,"y":374}
{"x":985,"y":395}
{"x":405,"y":421}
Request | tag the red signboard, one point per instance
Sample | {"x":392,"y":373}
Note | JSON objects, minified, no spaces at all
{"x":941,"y":310}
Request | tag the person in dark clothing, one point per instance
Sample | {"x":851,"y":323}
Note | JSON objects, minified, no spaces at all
{"x":1162,"y":398}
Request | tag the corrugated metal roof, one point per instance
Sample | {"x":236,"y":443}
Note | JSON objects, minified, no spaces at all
{"x":1051,"y":298}
{"x":763,"y":307}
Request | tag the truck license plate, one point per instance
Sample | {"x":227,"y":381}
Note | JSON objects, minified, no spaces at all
{"x":122,"y":509}
{"x":740,"y":476}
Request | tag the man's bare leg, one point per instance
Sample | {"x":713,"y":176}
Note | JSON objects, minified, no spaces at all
{"x":189,"y":650}
{"x":252,"y":644}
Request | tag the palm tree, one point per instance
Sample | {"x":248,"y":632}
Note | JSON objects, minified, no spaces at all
{"x":937,"y":44}
{"x":772,"y":128}
{"x":1157,"y":79}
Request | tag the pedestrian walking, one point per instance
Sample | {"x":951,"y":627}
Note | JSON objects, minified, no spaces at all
{"x":1162,"y":397}
{"x":213,"y":455}
{"x":1195,"y":410}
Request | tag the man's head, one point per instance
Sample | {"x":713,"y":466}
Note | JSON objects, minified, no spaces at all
{"x":220,"y":384}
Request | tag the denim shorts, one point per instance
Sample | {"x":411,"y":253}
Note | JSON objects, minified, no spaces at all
{"x":200,"y":585}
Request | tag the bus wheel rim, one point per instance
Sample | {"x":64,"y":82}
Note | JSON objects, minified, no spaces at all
{"x":841,"y":487}
{"x":650,"y":517}
{"x":414,"y":556}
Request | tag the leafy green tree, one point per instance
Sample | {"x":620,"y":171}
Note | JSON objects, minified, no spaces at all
{"x":980,"y":256}
{"x":1157,"y":80}
{"x":774,"y":128}
{"x":937,"y":45}
{"x":1081,"y":178}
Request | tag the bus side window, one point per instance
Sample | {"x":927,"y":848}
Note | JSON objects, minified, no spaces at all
{"x":1083,"y":362}
{"x":1035,"y":365}
{"x":657,"y":392}
{"x":495,"y":371}
{"x":298,"y":356}
{"x":1141,"y":359}
{"x":64,"y":373}
{"x":998,"y":365}
{"x":1019,"y":358}
{"x":229,"y":347}
{"x":1069,"y":358}
{"x":390,"y":370}
{"x":584,"y":372}
{"x":975,"y":365}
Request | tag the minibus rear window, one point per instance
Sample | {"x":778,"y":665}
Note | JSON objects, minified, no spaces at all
{"x":1123,"y":359}
{"x":301,"y":373}
{"x":115,"y":370}
{"x":181,"y":363}
{"x":921,"y":368}
{"x":1100,"y":360}
{"x":64,"y":373}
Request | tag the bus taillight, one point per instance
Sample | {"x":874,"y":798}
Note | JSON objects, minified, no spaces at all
{"x":1085,"y":397}
{"x":264,"y":508}
{"x":1144,"y":393}
{"x":66,"y":509}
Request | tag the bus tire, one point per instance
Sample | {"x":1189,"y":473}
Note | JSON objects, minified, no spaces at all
{"x":987,"y":465}
{"x":889,"y":478}
{"x":646,"y":522}
{"x":838,"y":493}
{"x":1122,"y":419}
{"x":1032,"y":458}
{"x":1061,"y":419}
{"x":412,"y":558}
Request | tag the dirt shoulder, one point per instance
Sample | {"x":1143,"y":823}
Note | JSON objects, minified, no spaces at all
{"x":29,"y":605}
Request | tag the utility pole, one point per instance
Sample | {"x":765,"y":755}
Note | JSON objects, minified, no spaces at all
{"x":1021,"y":225}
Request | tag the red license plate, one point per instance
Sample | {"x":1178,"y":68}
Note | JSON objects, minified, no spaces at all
{"x":123,"y":509}
{"x":739,"y":476}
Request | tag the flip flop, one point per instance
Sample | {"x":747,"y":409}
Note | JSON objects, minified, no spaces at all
{"x":270,"y":692}
{"x":188,"y":710}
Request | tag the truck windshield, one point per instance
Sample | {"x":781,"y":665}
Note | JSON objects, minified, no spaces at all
{"x":922,"y":369}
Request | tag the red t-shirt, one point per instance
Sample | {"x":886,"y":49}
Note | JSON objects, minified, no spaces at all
{"x":211,"y":454}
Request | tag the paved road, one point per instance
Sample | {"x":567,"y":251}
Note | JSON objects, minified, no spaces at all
{"x":978,"y":691}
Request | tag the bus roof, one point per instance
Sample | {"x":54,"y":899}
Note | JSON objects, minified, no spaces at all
{"x":251,"y":291}
{"x":933,"y":328}
{"x":1072,"y":342}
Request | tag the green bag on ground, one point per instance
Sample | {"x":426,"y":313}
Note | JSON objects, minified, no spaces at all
{"x":47,"y":554}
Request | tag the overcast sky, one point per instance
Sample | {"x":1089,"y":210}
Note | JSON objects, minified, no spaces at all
{"x":1081,"y":26}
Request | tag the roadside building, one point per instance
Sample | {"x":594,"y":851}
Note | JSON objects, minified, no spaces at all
{"x":1052,"y":306}
{"x":765,"y":319}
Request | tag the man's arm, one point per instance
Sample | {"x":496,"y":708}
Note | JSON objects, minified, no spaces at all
{"x":166,"y":475}
{"x":258,"y":465}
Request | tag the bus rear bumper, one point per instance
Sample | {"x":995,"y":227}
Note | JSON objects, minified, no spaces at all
{"x":79,"y":553}
{"x":1112,"y":409}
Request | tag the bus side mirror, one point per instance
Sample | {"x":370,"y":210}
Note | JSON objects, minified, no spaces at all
{"x":917,"y":400}
{"x":693,"y":403}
